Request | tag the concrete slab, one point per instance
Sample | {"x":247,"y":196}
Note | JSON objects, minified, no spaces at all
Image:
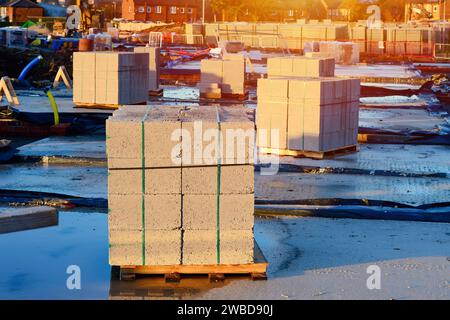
{"x":399,"y":159}
{"x":88,"y":147}
{"x":302,"y":186}
{"x":20,"y":219}
{"x":89,"y":182}
{"x":399,"y":119}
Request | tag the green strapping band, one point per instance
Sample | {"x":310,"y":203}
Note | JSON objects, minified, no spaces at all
{"x":143,"y":185}
{"x":219,"y":173}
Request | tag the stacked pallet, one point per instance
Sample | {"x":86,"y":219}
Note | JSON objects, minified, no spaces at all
{"x":307,"y":114}
{"x":300,"y":66}
{"x":180,"y":187}
{"x":276,"y":35}
{"x":153,"y":66}
{"x":222,"y":77}
{"x":342,"y":52}
{"x":409,"y":41}
{"x":110,"y":78}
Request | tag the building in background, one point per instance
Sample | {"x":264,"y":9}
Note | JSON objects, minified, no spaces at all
{"x":18,"y":11}
{"x":162,"y":10}
{"x":427,"y":9}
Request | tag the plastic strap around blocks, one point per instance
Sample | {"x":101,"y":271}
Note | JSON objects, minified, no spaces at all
{"x":143,"y":183}
{"x":219,"y":173}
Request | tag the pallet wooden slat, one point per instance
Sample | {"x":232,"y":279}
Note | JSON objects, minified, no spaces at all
{"x":310,"y":154}
{"x":256,"y":270}
{"x":102,"y":106}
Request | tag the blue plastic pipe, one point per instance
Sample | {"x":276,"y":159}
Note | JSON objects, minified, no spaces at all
{"x":29,"y":66}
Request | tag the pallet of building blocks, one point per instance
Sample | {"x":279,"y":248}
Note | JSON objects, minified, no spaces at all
{"x":153,"y":68}
{"x":110,"y":79}
{"x":307,"y":114}
{"x":176,"y":197}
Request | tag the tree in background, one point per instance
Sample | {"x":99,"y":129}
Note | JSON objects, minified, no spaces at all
{"x":392,"y":10}
{"x":262,"y":10}
{"x":358,"y":10}
{"x":218,"y":7}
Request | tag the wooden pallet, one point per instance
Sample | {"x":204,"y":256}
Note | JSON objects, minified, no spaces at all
{"x":224,"y":96}
{"x":215,"y":273}
{"x":239,"y":97}
{"x":156,"y":93}
{"x":310,"y":154}
{"x":104,"y":106}
{"x":211,"y":96}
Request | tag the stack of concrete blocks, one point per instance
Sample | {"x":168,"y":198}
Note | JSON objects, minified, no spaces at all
{"x":409,"y":41}
{"x":300,"y":66}
{"x":211,"y":33}
{"x":359,"y":36}
{"x":315,"y":112}
{"x":376,"y":39}
{"x":223,"y":76}
{"x":163,"y":186}
{"x":342,"y":52}
{"x":194,"y":33}
{"x":291,"y":36}
{"x":110,"y":78}
{"x":154,"y":55}
{"x":277,"y":35}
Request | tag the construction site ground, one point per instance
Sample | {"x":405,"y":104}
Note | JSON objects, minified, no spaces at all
{"x":310,"y":257}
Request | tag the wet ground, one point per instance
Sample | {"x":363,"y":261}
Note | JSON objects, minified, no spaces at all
{"x":309,"y":258}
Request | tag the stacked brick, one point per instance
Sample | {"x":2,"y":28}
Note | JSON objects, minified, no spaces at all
{"x":181,"y":186}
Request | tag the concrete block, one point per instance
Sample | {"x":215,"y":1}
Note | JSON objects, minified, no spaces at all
{"x":200,"y":247}
{"x":278,"y":126}
{"x":157,"y":181}
{"x":295,"y":126}
{"x":273,"y":89}
{"x":163,"y":248}
{"x":236,"y":212}
{"x":125,"y":247}
{"x":161,"y":212}
{"x":236,"y":179}
{"x":211,"y":71}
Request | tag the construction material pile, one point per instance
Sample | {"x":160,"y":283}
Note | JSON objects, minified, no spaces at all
{"x":181,"y":186}
{"x":153,"y":66}
{"x":395,"y":39}
{"x":317,"y":113}
{"x":222,"y":77}
{"x":110,"y":78}
{"x":341,"y":52}
{"x":275,"y":35}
